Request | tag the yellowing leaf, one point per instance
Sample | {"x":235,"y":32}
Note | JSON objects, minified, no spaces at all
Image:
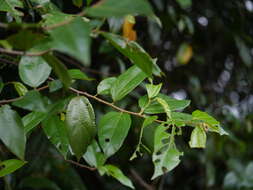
{"x":184,"y":53}
{"x":128,"y":31}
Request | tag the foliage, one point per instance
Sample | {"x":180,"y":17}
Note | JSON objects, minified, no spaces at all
{"x":54,"y":49}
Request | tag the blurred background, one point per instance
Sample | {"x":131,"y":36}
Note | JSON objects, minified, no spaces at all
{"x":205,"y":49}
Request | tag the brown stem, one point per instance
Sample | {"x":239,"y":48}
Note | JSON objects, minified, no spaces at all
{"x":81,"y":165}
{"x":139,"y":180}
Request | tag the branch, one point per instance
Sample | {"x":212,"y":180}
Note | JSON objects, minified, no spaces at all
{"x":81,"y":165}
{"x":138,"y":179}
{"x":15,"y":52}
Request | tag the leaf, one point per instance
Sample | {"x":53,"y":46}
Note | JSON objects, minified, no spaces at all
{"x":80,"y":120}
{"x":179,"y":119}
{"x":154,"y":107}
{"x":78,"y":74}
{"x":78,"y":3}
{"x":60,"y":69}
{"x":128,"y":28}
{"x":127,"y":82}
{"x":104,"y":87}
{"x":132,"y":51}
{"x":146,"y":122}
{"x":117,"y":174}
{"x":153,"y":90}
{"x":10,"y":166}
{"x":20,"y":88}
{"x":184,"y":53}
{"x":212,"y":124}
{"x":165,"y":156}
{"x":165,"y":106}
{"x":73,"y":39}
{"x":56,"y":132}
{"x":12,"y":131}
{"x":1,"y":85}
{"x":115,"y":8}
{"x":184,"y":3}
{"x":32,"y":120}
{"x":32,"y":101}
{"x":55,"y":17}
{"x":113,"y":128}
{"x":10,"y":5}
{"x":33,"y":71}
{"x":198,"y":138}
{"x":94,"y":156}
{"x":55,"y":85}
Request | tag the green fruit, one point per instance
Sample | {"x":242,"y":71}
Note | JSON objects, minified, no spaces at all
{"x":80,"y":120}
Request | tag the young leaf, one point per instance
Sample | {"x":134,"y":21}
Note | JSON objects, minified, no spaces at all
{"x":94,"y":156}
{"x":55,"y":129}
{"x":10,"y":166}
{"x":20,"y":88}
{"x":112,"y":131}
{"x":78,"y":74}
{"x":153,"y":90}
{"x":198,"y":138}
{"x":12,"y":131}
{"x":32,"y":101}
{"x":127,"y":82}
{"x":80,"y":120}
{"x":105,"y":85}
{"x":116,"y":8}
{"x":59,"y":69}
{"x":212,"y":124}
{"x":165,"y":106}
{"x":154,"y":107}
{"x":165,"y":156}
{"x":32,"y":120}
{"x":33,"y":71}
{"x":133,"y":51}
{"x":117,"y":174}
{"x":73,"y":39}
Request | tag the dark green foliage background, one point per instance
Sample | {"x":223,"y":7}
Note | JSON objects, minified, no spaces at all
{"x":218,"y":79}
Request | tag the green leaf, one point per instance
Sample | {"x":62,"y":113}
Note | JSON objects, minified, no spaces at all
{"x":73,"y":39}
{"x":94,"y":156}
{"x":153,"y":90}
{"x":10,"y":7}
{"x":154,"y":107}
{"x":117,"y":174}
{"x":32,"y":120}
{"x":105,"y":85}
{"x":55,"y":85}
{"x":113,"y":128}
{"x":165,"y":156}
{"x":78,"y":3}
{"x":32,"y":101}
{"x":115,"y":8}
{"x":80,"y":119}
{"x":20,"y":88}
{"x":12,"y":131}
{"x":146,"y":122}
{"x":127,"y":82}
{"x":78,"y":74}
{"x":184,"y":3}
{"x":33,"y":71}
{"x":165,"y":106}
{"x":56,"y":132}
{"x":10,"y":166}
{"x":198,"y":138}
{"x":179,"y":119}
{"x":133,"y":51}
{"x":55,"y":17}
{"x":60,"y":69}
{"x":212,"y":124}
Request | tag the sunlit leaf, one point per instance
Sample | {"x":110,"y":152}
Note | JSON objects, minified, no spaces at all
{"x":198,"y":138}
{"x":10,"y":166}
{"x":104,"y":87}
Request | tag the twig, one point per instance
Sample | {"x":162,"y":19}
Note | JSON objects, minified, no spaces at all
{"x":15,"y":52}
{"x":8,"y":61}
{"x":81,"y":165}
{"x":138,"y":179}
